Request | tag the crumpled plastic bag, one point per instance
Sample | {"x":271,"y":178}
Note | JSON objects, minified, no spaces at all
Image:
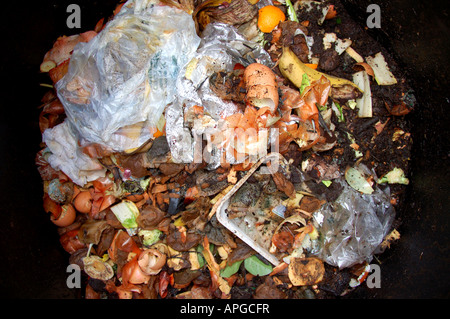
{"x":353,"y":227}
{"x":220,"y":49}
{"x":119,"y":83}
{"x":68,"y":157}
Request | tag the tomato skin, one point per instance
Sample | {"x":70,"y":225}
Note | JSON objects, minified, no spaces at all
{"x":238,"y":66}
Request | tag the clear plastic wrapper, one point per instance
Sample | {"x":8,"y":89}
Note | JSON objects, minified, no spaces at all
{"x":353,"y":227}
{"x":68,"y":157}
{"x":119,"y":83}
{"x":220,"y":49}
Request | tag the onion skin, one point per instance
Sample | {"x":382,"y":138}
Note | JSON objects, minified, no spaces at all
{"x":108,"y":200}
{"x":151,"y":261}
{"x":135,"y":198}
{"x":67,"y":217}
{"x":133,"y":274}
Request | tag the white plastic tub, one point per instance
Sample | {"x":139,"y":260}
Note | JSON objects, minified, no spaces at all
{"x":231,"y":225}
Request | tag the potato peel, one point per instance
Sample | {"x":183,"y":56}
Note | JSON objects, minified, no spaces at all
{"x":306,"y":271}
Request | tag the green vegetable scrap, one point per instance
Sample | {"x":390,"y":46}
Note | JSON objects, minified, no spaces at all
{"x":291,"y":11}
{"x":305,"y":82}
{"x":127,"y":212}
{"x":150,"y":237}
{"x":230,"y":270}
{"x":396,"y":176}
{"x":256,"y":267}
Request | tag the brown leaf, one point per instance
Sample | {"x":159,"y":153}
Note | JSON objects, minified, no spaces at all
{"x":399,"y":109}
{"x":91,"y":231}
{"x":283,"y":184}
{"x":177,"y":242}
{"x":196,"y":214}
{"x":268,"y":290}
{"x":241,"y":252}
{"x":183,"y":278}
{"x":311,"y":204}
{"x":149,"y":217}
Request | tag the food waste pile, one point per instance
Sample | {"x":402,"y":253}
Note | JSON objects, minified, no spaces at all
{"x":224,"y":149}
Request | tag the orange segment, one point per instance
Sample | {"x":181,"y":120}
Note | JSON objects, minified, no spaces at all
{"x":269,"y":17}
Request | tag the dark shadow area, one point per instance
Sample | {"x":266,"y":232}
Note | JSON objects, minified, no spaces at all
{"x":417,"y":33}
{"x":33,"y":261}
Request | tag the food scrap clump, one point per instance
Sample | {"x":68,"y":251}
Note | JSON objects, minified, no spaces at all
{"x":245,"y":149}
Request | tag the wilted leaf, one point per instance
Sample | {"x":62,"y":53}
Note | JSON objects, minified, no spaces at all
{"x":357,"y":181}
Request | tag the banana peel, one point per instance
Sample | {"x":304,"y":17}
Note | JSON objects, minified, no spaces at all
{"x":293,"y":69}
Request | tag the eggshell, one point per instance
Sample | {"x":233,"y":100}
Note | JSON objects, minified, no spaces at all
{"x":259,"y":74}
{"x":67,"y":216}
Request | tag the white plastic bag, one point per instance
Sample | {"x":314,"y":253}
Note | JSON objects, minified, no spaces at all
{"x":119,"y":83}
{"x":67,"y":156}
{"x":220,"y":48}
{"x":353,"y":227}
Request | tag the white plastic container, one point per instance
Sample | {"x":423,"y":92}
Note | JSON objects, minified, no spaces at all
{"x":231,"y":225}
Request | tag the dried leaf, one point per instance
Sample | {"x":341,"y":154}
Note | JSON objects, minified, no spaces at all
{"x":214,"y":268}
{"x":283,"y":184}
{"x":293,"y":219}
{"x":356,"y":180}
{"x":176,"y":240}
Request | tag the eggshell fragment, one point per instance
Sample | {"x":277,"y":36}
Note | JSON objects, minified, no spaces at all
{"x":67,"y":216}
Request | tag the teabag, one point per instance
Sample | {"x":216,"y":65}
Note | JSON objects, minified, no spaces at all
{"x":353,"y":227}
{"x":220,"y":49}
{"x":119,"y":83}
